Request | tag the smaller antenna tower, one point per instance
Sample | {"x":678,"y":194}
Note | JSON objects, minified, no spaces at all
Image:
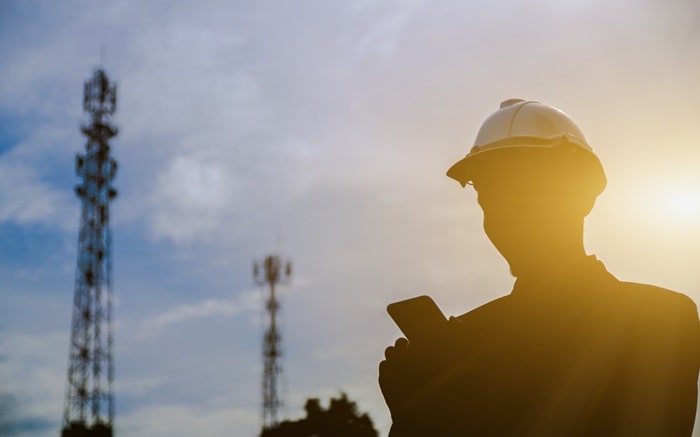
{"x":273,"y":273}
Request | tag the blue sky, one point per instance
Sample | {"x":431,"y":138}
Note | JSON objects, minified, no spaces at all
{"x":320,"y":131}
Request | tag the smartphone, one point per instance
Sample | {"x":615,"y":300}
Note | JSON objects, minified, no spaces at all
{"x":419,"y":318}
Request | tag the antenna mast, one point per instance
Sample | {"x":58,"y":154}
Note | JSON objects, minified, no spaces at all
{"x":89,"y":403}
{"x":272,"y":274}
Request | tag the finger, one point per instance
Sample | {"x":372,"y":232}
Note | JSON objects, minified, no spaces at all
{"x":387,"y":374}
{"x":383,"y":368}
{"x":385,"y":378}
{"x":399,"y":347}
{"x":401,"y":343}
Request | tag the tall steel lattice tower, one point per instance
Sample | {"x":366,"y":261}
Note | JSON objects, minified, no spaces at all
{"x":272,"y":274}
{"x":89,"y":404}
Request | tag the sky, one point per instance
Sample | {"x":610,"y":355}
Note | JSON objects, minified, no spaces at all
{"x":319,"y":131}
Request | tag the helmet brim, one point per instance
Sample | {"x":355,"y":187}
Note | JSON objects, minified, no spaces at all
{"x":467,"y":169}
{"x":463,"y":170}
{"x":460,"y":171}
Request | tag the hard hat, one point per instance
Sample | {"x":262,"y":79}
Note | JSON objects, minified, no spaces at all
{"x":525,"y":124}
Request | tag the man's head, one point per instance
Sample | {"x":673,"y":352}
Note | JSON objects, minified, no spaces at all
{"x":536,"y":179}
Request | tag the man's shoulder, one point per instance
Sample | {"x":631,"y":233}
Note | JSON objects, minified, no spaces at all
{"x":635,"y":299}
{"x":655,"y":297}
{"x":668,"y":318}
{"x":662,"y":315}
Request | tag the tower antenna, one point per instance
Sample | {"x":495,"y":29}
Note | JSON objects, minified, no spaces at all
{"x":274,"y":272}
{"x":89,"y":402}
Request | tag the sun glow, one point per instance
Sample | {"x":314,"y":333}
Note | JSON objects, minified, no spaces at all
{"x":677,"y":206}
{"x":683,"y":204}
{"x":666,"y":206}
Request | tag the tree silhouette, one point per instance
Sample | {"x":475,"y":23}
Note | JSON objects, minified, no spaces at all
{"x":340,"y":419}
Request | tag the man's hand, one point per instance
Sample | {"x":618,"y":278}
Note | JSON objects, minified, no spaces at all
{"x":417,"y":379}
{"x":395,"y":374}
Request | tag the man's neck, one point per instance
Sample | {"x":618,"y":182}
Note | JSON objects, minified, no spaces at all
{"x":548,"y":265}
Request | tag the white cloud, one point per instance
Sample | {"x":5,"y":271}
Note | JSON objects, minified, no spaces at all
{"x":190,"y":197}
{"x":207,"y":308}
{"x":26,"y":200}
{"x":386,"y":25}
{"x":32,"y":372}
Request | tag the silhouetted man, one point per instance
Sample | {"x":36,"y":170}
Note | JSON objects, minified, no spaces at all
{"x":571,"y":351}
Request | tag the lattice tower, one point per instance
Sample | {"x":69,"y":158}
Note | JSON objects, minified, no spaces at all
{"x":89,"y":402}
{"x":273,"y":273}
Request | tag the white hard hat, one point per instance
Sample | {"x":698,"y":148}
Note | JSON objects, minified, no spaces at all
{"x":524,"y":124}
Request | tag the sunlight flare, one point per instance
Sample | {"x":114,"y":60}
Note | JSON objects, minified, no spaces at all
{"x":683,"y":204}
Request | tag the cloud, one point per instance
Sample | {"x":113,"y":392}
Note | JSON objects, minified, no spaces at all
{"x":26,"y":200}
{"x":386,"y":24}
{"x":190,"y":197}
{"x":208,"y":308}
{"x":28,"y":195}
{"x":32,"y":378}
{"x":13,"y":424}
